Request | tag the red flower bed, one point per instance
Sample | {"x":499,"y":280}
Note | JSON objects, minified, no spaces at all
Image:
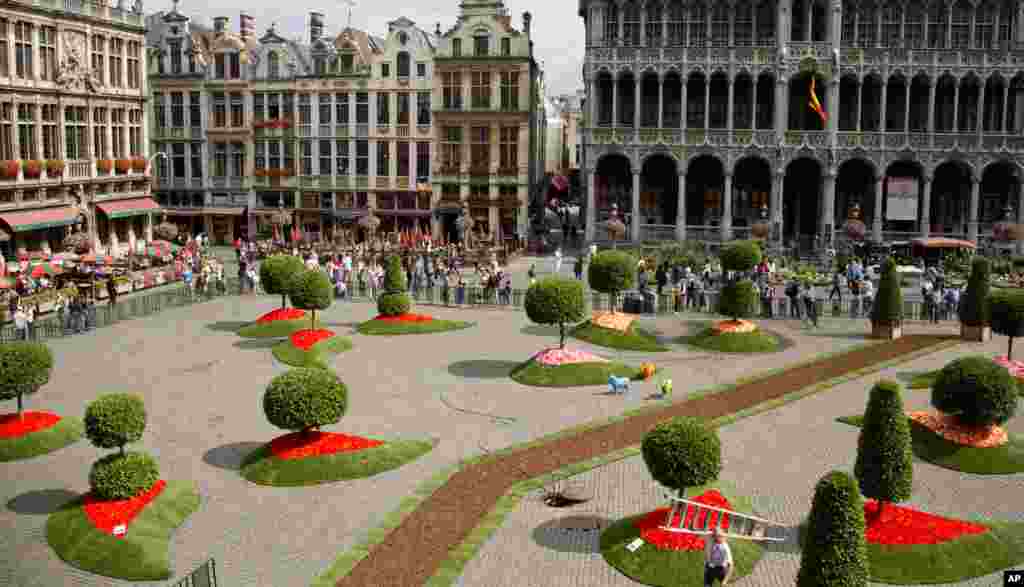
{"x":298,"y":445}
{"x":11,"y":426}
{"x":407,"y":317}
{"x":903,"y":525}
{"x":281,"y":314}
{"x":113,"y":517}
{"x":304,"y":339}
{"x":650,"y":525}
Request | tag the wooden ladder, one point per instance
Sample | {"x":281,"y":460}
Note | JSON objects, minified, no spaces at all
{"x":742,"y":526}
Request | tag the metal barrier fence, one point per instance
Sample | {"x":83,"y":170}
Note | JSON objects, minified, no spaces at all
{"x":204,"y":576}
{"x":142,"y":304}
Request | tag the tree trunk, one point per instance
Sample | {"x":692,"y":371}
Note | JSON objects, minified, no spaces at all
{"x":19,"y":406}
{"x":561,"y":335}
{"x":284,"y":302}
{"x":1009,"y":350}
{"x":122,"y":450}
{"x":312,"y":321}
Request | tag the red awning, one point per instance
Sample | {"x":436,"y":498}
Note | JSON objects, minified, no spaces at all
{"x":943,"y":243}
{"x":44,"y":218}
{"x":129,"y":207}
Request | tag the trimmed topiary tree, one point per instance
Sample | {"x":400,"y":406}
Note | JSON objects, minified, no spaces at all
{"x":887,"y":311}
{"x":885,"y":463}
{"x":24,"y":368}
{"x":611,"y":272}
{"x":741,"y":256}
{"x":1007,"y":308}
{"x":123,"y":476}
{"x":305,"y":399}
{"x":394,"y":301}
{"x":311,"y":290}
{"x":975,"y":310}
{"x":737,"y":299}
{"x":555,"y":300}
{"x":835,"y":552}
{"x":277,"y":273}
{"x":114,"y":420}
{"x":682,"y":452}
{"x":976,"y":391}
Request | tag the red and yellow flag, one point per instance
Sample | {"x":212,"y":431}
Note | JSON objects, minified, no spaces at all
{"x":815,"y":104}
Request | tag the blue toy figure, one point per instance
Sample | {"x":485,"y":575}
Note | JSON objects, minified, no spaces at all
{"x":665,"y":387}
{"x":618,"y":384}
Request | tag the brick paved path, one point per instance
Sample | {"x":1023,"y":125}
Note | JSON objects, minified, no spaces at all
{"x":769,"y":457}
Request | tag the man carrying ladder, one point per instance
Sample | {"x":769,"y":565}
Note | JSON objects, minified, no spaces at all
{"x":718,"y":563}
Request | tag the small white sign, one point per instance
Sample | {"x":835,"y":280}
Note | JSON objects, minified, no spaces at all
{"x":120,"y":530}
{"x":636,"y":544}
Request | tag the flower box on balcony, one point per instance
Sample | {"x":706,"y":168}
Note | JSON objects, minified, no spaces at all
{"x":54,"y":168}
{"x":104,"y":165}
{"x":9,"y":169}
{"x":32,"y":169}
{"x":123,"y":165}
{"x":139,"y":164}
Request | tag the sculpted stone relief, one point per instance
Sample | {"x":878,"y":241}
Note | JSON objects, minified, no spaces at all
{"x":74,"y":71}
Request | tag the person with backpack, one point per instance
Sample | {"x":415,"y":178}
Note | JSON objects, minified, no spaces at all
{"x":934,"y":297}
{"x":807,"y":293}
{"x":793,"y":293}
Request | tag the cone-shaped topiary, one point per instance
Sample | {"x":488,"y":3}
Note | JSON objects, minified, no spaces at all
{"x":394,"y":301}
{"x":682,"y":452}
{"x":305,"y":399}
{"x":741,"y":256}
{"x":611,"y":272}
{"x":885,"y":463}
{"x":555,"y":300}
{"x":976,"y":309}
{"x":835,"y":552}
{"x":114,"y":420}
{"x":1007,"y":308}
{"x":976,"y":391}
{"x":311,"y":290}
{"x":24,"y":368}
{"x":737,"y":299}
{"x":277,"y":273}
{"x":888,"y":306}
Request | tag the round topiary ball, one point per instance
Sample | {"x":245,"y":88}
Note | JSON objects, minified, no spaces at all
{"x":277,"y":273}
{"x":611,"y":272}
{"x":311,"y":290}
{"x":976,"y":391}
{"x":682,"y":452}
{"x":24,"y":368}
{"x":122,"y":476}
{"x":741,"y":256}
{"x":305,"y":398}
{"x":555,"y":300}
{"x":738,"y":300}
{"x":393,"y":304}
{"x":835,"y":551}
{"x":114,"y":420}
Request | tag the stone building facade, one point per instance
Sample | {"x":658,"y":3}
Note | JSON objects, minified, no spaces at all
{"x":72,"y":132}
{"x":921,"y":129}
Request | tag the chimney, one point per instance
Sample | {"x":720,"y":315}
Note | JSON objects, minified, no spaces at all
{"x":316,"y":26}
{"x":246,"y":25}
{"x":220,"y":24}
{"x":527,"y":17}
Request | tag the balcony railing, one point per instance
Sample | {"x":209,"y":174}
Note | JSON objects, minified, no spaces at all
{"x":74,"y":170}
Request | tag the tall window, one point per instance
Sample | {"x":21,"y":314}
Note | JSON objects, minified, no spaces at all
{"x":177,"y":110}
{"x":76,"y":123}
{"x":196,"y":156}
{"x":237,"y":110}
{"x":402,"y":64}
{"x":305,"y":110}
{"x":611,"y":24}
{"x":849,"y":33}
{"x":273,"y":65}
{"x":235,"y":63}
{"x":5,"y":66}
{"x":116,"y":48}
{"x":325,"y":157}
{"x":134,"y":64}
{"x":23,"y":50}
{"x":698,"y":23}
{"x":743,"y":28}
{"x":362,"y":108}
{"x":117,"y":119}
{"x":451,"y":148}
{"x":6,"y":131}
{"x":51,"y":149}
{"x":178,"y":160}
{"x":652,"y":31}
{"x":383,"y":158}
{"x":385,"y":70}
{"x":174,"y":47}
{"x":452,"y":90}
{"x":676,"y":24}
{"x":456,"y":47}
{"x":383,"y":113}
{"x":422,"y":162}
{"x":961,"y":30}
{"x":341,"y":108}
{"x":983,"y":27}
{"x":220,"y":110}
{"x":423,"y":108}
{"x":480,"y":159}
{"x":220,"y":67}
{"x":765,"y":24}
{"x":404,"y":108}
{"x":159,"y":111}
{"x":913,"y":34}
{"x":99,"y":133}
{"x":135,"y":132}
{"x":48,"y":53}
{"x":510,"y":90}
{"x":506,"y":47}
{"x":194,"y":111}
{"x":307,"y":157}
{"x":261,"y":155}
{"x":274,"y":150}
{"x":319,"y":65}
{"x":631,"y":24}
{"x":866,"y":27}
{"x":288,"y":106}
{"x":259,"y":107}
{"x":937,"y":26}
{"x":26,"y":131}
{"x":1006,"y":27}
{"x":892,"y":17}
{"x":362,"y":158}
{"x":341,"y":155}
{"x":509,"y":147}
{"x":237,"y":160}
{"x":481,"y":46}
{"x":324,"y":104}
{"x":481,"y":89}
{"x":98,"y":59}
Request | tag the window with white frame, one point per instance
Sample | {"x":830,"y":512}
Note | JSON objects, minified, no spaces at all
{"x":481,"y":89}
{"x":274,"y":151}
{"x":48,"y":53}
{"x":273,"y":65}
{"x":913,"y":27}
{"x":509,"y":140}
{"x":220,"y":110}
{"x":135,"y":132}
{"x":451,"y":148}
{"x":362,"y":108}
{"x":341,"y":158}
{"x":305,"y":112}
{"x":404,"y":106}
{"x":237,"y":110}
{"x":383,"y":110}
{"x":134,"y":65}
{"x":174,"y":48}
{"x":383,"y":158}
{"x":341,"y":108}
{"x":631,"y":24}
{"x":983,"y":27}
{"x":51,"y":146}
{"x":196,"y":152}
{"x":118,"y":119}
{"x":76,"y":131}
{"x":195,"y":110}
{"x":451,"y":87}
{"x":324,"y":105}
{"x":177,"y":110}
{"x":510,"y":90}
{"x":6,"y":131}
{"x":159,"y":112}
{"x":220,"y":160}
{"x":26,"y":131}
{"x":892,"y":19}
{"x":362,"y":158}
{"x":5,"y":66}
{"x":307,"y":158}
{"x":325,"y":157}
{"x":423,"y":108}
{"x":178,"y":160}
{"x":960,"y":35}
{"x":743,"y":26}
{"x":273,"y":106}
{"x":259,"y":107}
{"x":480,"y":160}
{"x":98,"y":58}
{"x":422,"y":162}
{"x":23,"y":50}
{"x":99,"y":134}
{"x":261,"y":155}
{"x":234,"y":65}
{"x":116,"y":48}
{"x":237,"y":160}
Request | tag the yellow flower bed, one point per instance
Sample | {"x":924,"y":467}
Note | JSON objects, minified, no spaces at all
{"x":734,"y":326}
{"x":947,"y":427}
{"x":613,"y":320}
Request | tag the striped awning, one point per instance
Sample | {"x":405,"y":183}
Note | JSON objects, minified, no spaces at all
{"x":128,"y":208}
{"x":44,"y":218}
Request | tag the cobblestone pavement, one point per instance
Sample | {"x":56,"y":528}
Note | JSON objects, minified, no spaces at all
{"x":203,"y":387}
{"x":775,"y":458}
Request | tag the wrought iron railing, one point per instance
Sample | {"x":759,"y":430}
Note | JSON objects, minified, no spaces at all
{"x":204,"y":576}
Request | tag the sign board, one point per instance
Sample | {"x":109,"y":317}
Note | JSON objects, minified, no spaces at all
{"x":635,"y":545}
{"x":901,"y":200}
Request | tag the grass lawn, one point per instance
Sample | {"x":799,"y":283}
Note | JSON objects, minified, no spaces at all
{"x":142,"y":555}
{"x":934,"y":449}
{"x":634,"y":339}
{"x":923,"y":380}
{"x":262,"y":468}
{"x":667,"y":568}
{"x":533,"y":373}
{"x":758,"y":341}
{"x":276,"y":329}
{"x":385,"y":328}
{"x":66,"y":431}
{"x":316,"y":356}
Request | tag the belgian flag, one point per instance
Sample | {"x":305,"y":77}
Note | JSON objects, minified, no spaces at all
{"x":815,"y":104}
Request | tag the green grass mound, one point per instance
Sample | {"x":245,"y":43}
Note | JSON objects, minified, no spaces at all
{"x":142,"y":554}
{"x":386,"y":328}
{"x":667,"y":568}
{"x":276,"y":329}
{"x":634,"y":339}
{"x":757,"y":341}
{"x":923,"y":380}
{"x":263,"y":468}
{"x":65,"y":432}
{"x":573,"y":375}
{"x":318,"y":355}
{"x":932,"y":448}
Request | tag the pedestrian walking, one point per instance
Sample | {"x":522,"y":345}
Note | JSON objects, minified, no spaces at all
{"x":558,"y":260}
{"x":20,"y":323}
{"x":810,"y":304}
{"x":837,"y":286}
{"x":578,"y":268}
{"x":767,"y":297}
{"x":718,"y":563}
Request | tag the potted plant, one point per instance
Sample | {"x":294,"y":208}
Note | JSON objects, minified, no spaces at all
{"x":104,"y":165}
{"x":32,"y":169}
{"x":976,"y":311}
{"x":887,"y":311}
{"x":123,"y":165}
{"x":139,"y":164}
{"x":9,"y":169}
{"x":54,"y":168}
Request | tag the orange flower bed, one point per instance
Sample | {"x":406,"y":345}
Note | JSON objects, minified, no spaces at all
{"x":298,"y":445}
{"x":113,"y":517}
{"x":613,"y":320}
{"x":650,"y":524}
{"x":305,"y":339}
{"x":11,"y":426}
{"x":281,"y":314}
{"x":948,"y":428}
{"x":734,"y":326}
{"x":407,"y":317}
{"x":902,"y":525}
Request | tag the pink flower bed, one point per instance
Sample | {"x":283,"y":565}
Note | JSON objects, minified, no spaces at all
{"x":1016,"y":368}
{"x":555,"y":357}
